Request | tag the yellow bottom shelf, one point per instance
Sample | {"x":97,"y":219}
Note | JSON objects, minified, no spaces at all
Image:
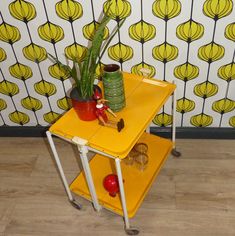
{"x":136,"y":182}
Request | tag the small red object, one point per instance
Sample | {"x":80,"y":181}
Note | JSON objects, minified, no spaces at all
{"x":111,"y":184}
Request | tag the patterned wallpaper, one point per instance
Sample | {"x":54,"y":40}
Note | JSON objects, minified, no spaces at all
{"x":190,"y":41}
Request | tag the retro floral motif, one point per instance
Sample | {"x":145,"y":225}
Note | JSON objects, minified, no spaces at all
{"x":35,"y":53}
{"x":206,"y":89}
{"x":163,"y":119}
{"x":51,"y":117}
{"x":172,"y":40}
{"x":51,"y":32}
{"x":120,"y":52}
{"x":186,"y":72}
{"x":166,"y":9}
{"x":20,"y":71}
{"x":201,"y":120}
{"x":3,"y":104}
{"x":31,"y":103}
{"x":75,"y":51}
{"x":142,"y":31}
{"x":89,"y":30}
{"x":44,"y":88}
{"x":19,"y":117}
{"x":117,"y":9}
{"x":230,"y":32}
{"x":136,"y":69}
{"x":8,"y":88}
{"x":227,"y":72}
{"x":190,"y":31}
{"x":9,"y":33}
{"x":58,"y":72}
{"x":217,"y":9}
{"x":22,"y":10}
{"x":64,"y":103}
{"x":69,"y":10}
{"x":211,"y":52}
{"x":165,"y":52}
{"x":232,"y":121}
{"x":223,"y":106}
{"x":3,"y":55}
{"x":185,"y":105}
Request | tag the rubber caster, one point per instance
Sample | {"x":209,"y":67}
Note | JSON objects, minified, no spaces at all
{"x":175,"y":153}
{"x":132,"y":231}
{"x":76,"y":205}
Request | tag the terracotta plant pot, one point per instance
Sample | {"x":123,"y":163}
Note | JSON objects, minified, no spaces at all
{"x":85,"y":109}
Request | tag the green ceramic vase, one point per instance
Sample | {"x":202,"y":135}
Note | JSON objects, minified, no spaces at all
{"x":114,"y":87}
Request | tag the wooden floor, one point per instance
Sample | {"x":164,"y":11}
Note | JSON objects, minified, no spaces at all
{"x":193,"y":195}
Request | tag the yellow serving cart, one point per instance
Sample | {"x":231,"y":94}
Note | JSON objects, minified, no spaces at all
{"x":144,"y":98}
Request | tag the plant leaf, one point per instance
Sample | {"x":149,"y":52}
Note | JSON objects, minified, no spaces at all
{"x":54,"y":59}
{"x":111,"y":37}
{"x":89,"y":63}
{"x":74,"y":75}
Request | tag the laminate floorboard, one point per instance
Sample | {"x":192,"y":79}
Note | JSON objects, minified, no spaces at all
{"x":193,"y":195}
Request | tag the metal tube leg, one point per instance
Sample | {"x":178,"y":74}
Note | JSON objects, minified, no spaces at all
{"x":62,"y":175}
{"x":85,"y":164}
{"x":173,"y":118}
{"x":128,"y":229}
{"x":148,"y":129}
{"x":123,"y":199}
{"x":174,"y":151}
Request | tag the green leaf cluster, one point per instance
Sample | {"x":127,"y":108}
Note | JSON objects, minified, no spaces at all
{"x":83,"y":72}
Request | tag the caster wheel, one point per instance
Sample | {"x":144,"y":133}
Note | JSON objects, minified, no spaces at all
{"x":175,"y":153}
{"x":76,"y":205}
{"x":132,"y":231}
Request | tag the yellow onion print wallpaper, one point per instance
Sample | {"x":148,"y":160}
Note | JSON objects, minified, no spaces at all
{"x":189,"y":41}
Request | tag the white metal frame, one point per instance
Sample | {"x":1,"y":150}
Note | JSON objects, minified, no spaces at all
{"x":122,"y":192}
{"x":83,"y":150}
{"x":85,"y":164}
{"x":174,"y":117}
{"x":58,"y":163}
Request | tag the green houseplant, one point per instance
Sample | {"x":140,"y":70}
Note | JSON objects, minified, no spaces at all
{"x":84,"y":72}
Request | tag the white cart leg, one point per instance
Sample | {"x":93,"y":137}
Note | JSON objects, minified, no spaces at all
{"x":148,"y":129}
{"x":85,"y":164}
{"x":128,"y":229}
{"x":174,"y":152}
{"x":62,"y":175}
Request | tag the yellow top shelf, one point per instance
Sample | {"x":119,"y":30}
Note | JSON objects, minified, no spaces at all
{"x":144,"y":98}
